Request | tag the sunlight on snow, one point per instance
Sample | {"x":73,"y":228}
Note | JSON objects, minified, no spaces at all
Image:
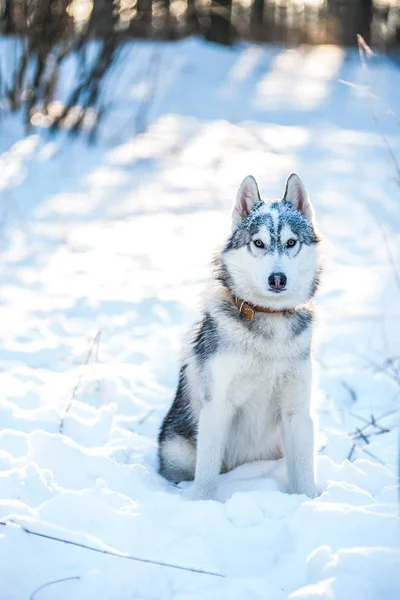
{"x":107,"y":247}
{"x":299,"y":78}
{"x":248,"y":60}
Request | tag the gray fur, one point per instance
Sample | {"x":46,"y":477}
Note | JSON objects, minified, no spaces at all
{"x":206,"y":340}
{"x":221,"y":273}
{"x":179,"y":419}
{"x":287,"y":215}
{"x":301,"y":321}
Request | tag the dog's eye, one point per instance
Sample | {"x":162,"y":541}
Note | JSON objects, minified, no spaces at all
{"x":290,"y":243}
{"x":259,"y":243}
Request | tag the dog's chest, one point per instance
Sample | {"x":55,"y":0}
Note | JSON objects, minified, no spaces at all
{"x":269,"y":340}
{"x":256,"y":362}
{"x":259,"y":372}
{"x":254,"y":378}
{"x":255,"y":431}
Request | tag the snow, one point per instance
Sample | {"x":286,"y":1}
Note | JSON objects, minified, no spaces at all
{"x":104,"y":252}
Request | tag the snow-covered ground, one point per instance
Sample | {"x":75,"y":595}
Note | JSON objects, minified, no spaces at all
{"x":104,"y":251}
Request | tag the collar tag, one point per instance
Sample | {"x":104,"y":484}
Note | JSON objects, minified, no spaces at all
{"x":248,"y":311}
{"x":244,"y":308}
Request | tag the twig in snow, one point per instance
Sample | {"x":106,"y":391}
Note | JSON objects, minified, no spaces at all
{"x":350,"y":390}
{"x":108,"y":552}
{"x":33,"y":595}
{"x":372,"y":422}
{"x":95,"y":341}
{"x":375,"y":424}
{"x":359,"y":417}
{"x":383,"y":369}
{"x":361,"y":436}
{"x":361,"y":433}
{"x":145,"y":416}
{"x":393,"y":363}
{"x":350,"y":455}
{"x":379,"y":460}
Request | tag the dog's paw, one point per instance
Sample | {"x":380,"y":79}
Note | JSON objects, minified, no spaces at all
{"x":312,"y":493}
{"x":197,"y":493}
{"x":309,"y":490}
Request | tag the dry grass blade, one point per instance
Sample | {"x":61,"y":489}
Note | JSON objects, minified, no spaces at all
{"x":365,"y":52}
{"x":363,"y":46}
{"x":94,"y":343}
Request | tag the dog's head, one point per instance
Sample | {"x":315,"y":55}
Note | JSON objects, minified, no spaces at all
{"x":271,"y":257}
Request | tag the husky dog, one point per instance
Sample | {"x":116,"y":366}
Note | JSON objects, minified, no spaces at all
{"x":245,"y":382}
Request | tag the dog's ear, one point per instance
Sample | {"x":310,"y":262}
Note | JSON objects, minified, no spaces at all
{"x":247,"y":196}
{"x":296,"y":194}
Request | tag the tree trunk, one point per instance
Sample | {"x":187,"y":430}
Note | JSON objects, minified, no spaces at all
{"x":8,"y":17}
{"x":192,"y":20}
{"x":366,"y":19}
{"x":257,"y":19}
{"x":220,"y":29}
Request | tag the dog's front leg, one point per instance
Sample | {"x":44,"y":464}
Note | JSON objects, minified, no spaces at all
{"x":211,"y":439}
{"x":298,"y":432}
{"x":214,"y":423}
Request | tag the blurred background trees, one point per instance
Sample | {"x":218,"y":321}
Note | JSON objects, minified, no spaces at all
{"x":223,"y":21}
{"x":48,"y":31}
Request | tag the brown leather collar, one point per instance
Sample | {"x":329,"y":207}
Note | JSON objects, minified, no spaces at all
{"x":249,"y":309}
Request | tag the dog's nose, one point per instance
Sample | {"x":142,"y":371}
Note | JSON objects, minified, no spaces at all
{"x":277,"y":281}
